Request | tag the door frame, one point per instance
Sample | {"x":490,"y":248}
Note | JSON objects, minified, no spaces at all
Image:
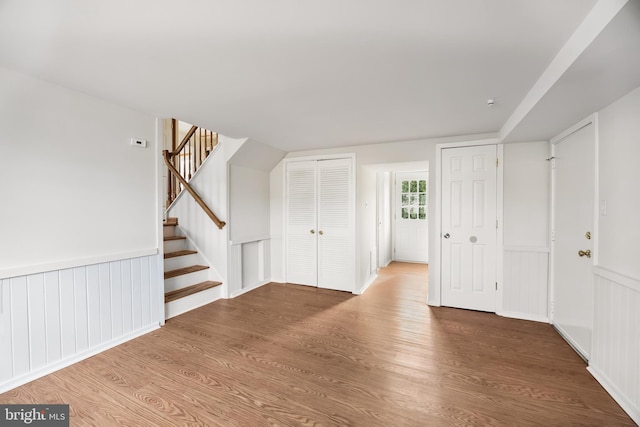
{"x":435,"y":290}
{"x":590,"y":120}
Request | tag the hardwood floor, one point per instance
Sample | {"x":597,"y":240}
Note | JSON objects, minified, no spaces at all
{"x":294,"y":355}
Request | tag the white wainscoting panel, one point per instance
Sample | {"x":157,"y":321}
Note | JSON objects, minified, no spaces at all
{"x":525,"y":287}
{"x":52,"y":319}
{"x":249,"y":265}
{"x":615,"y":353}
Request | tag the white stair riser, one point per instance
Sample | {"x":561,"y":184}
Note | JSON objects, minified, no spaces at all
{"x":181,"y":261}
{"x":169,"y":230}
{"x":185,"y":280}
{"x":175,"y":245}
{"x":196,"y":300}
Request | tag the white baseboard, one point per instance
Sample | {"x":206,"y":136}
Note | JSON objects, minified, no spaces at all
{"x":632,"y":410}
{"x":245,"y":290}
{"x":366,"y":285}
{"x":581,"y":352}
{"x":524,"y":316}
{"x":31,"y":376}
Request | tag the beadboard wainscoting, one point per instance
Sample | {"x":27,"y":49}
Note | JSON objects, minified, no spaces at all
{"x":615,"y":352}
{"x":526,"y":278}
{"x":52,"y":319}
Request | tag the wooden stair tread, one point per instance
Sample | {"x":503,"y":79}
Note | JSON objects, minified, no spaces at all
{"x":170,"y":221}
{"x":167,"y":238}
{"x":185,"y":270}
{"x":189,"y":290}
{"x":179,"y":253}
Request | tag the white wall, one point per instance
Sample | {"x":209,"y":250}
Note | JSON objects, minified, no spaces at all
{"x":210,"y":182}
{"x":249,"y":222}
{"x":526,"y":194}
{"x":248,"y":203}
{"x":250,"y":168}
{"x":526,"y":231}
{"x":384,"y":219}
{"x":615,"y":352}
{"x":80,"y":227}
{"x":74,"y":190}
{"x":366,"y":228}
{"x":619,"y":230}
{"x":276,"y":222}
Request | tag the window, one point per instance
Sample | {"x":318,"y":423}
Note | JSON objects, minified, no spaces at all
{"x":414,"y":199}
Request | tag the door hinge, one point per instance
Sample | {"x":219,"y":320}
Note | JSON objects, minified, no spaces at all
{"x":496,"y":224}
{"x":496,"y":286}
{"x":497,"y":162}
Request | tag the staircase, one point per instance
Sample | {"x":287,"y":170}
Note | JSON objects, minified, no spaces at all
{"x":187,"y":277}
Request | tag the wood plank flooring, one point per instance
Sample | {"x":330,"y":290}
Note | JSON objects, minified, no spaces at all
{"x":294,"y":355}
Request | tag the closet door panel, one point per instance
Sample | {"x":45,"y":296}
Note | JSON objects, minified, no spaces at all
{"x":301,"y":218}
{"x":336,"y":249}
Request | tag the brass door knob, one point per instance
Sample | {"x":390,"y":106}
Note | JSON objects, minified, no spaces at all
{"x":586,"y":253}
{"x":312,"y":231}
{"x":320,"y":232}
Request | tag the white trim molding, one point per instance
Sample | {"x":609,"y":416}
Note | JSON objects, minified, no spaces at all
{"x":72,"y":263}
{"x":366,"y":285}
{"x":621,"y":279}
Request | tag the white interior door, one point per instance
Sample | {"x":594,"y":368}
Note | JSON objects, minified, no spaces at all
{"x":336,"y":225}
{"x":301,"y":210}
{"x":574,"y":173}
{"x":468,"y":240}
{"x":411,"y":226}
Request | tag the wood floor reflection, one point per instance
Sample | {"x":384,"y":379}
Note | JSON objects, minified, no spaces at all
{"x":295,"y":355}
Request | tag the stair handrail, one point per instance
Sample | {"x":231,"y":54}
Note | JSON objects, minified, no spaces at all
{"x":185,"y":140}
{"x":166,"y":155}
{"x":187,"y":155}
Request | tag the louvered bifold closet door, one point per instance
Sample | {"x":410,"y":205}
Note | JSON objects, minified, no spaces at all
{"x":336,"y":249}
{"x":301,"y":211}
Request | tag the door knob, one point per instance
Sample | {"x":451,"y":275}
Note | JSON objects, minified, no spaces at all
{"x":312,"y":231}
{"x":446,"y":235}
{"x":320,"y":232}
{"x":586,"y":253}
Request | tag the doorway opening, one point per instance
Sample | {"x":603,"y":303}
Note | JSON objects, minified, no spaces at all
{"x":402,"y":216}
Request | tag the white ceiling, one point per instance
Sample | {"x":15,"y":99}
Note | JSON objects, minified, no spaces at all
{"x":299,"y":74}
